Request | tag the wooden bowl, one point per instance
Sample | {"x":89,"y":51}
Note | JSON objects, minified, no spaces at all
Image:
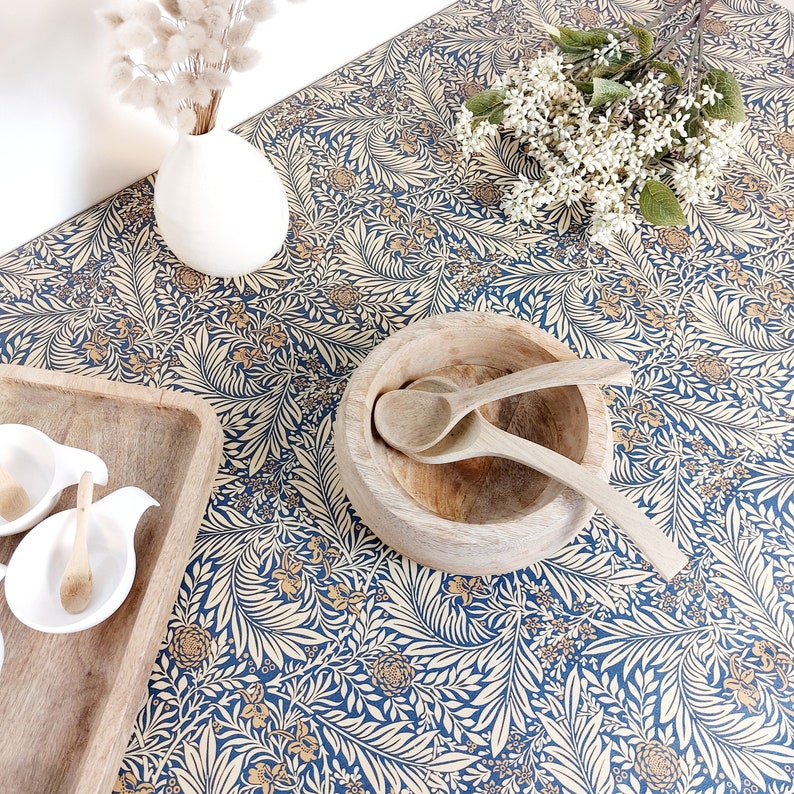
{"x":485,"y":515}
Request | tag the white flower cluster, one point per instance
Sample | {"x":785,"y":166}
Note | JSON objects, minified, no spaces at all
{"x":600,"y":155}
{"x":176,"y":56}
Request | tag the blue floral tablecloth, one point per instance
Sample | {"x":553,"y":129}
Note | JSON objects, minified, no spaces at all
{"x":303,"y":655}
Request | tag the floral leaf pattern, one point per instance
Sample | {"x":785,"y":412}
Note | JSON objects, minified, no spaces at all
{"x":303,"y":655}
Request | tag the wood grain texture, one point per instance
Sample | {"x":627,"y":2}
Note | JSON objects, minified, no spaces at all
{"x":480,"y":516}
{"x":68,"y":702}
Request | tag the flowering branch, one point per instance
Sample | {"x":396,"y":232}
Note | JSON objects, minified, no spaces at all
{"x":605,"y":116}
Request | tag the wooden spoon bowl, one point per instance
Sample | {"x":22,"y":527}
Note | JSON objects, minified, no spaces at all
{"x":485,"y":515}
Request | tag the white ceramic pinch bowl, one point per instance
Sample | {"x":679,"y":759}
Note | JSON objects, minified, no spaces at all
{"x":43,"y":468}
{"x":484,"y":515}
{"x":33,"y":579}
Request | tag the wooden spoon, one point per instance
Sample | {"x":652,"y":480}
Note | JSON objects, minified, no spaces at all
{"x":77,"y":583}
{"x":14,"y":499}
{"x":475,"y":437}
{"x":418,"y":419}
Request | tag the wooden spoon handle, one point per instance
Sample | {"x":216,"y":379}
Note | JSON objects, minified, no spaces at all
{"x":76,"y":584}
{"x":544,"y":376}
{"x":655,"y":546}
{"x":14,"y":500}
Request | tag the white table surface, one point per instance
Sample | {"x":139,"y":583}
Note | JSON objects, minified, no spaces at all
{"x":66,"y":142}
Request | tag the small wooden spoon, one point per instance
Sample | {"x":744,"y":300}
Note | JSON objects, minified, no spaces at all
{"x":77,"y":583}
{"x":419,"y":419}
{"x":14,"y":499}
{"x":475,"y":437}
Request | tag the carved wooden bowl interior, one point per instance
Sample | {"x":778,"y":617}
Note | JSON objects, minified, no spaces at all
{"x":484,"y":515}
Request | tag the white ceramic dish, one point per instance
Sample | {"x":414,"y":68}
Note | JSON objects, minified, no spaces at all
{"x":43,"y":468}
{"x":34,"y":573}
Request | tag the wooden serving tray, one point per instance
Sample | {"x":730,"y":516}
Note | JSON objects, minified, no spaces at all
{"x":68,"y":701}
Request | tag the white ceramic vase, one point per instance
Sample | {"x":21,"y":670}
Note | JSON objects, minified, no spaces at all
{"x":219,"y":204}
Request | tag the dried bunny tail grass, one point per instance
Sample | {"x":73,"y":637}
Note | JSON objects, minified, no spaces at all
{"x":195,"y":36}
{"x":164,"y":29}
{"x":190,"y":10}
{"x":177,"y":48}
{"x":240,"y":33}
{"x":213,"y":51}
{"x":215,"y":19}
{"x":185,"y":121}
{"x":147,"y":12}
{"x":259,"y":10}
{"x":184,"y":82}
{"x":200,"y":94}
{"x":133,"y":35}
{"x":171,"y":7}
{"x":141,"y":93}
{"x":111,"y":18}
{"x":215,"y":79}
{"x":241,"y":59}
{"x":156,"y":57}
{"x":120,"y":74}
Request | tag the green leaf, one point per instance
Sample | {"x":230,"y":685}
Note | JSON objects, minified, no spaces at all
{"x":584,"y":86}
{"x":488,"y":105}
{"x":644,"y":39}
{"x":730,"y":107}
{"x":578,"y":41}
{"x":605,"y":91}
{"x":659,"y":205}
{"x":673,"y":77}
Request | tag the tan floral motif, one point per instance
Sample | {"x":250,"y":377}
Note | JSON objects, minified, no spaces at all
{"x":248,"y":356}
{"x":465,"y":587}
{"x":142,"y":363}
{"x":773,"y":659}
{"x":127,"y":783}
{"x":128,"y":329}
{"x":345,"y":296}
{"x":742,"y":684}
{"x":587,"y":15}
{"x":97,"y":346}
{"x":323,"y":552}
{"x":269,"y":777}
{"x":255,"y":708}
{"x":657,"y":764}
{"x":238,"y":316}
{"x":273,"y":335}
{"x":650,"y":415}
{"x":627,"y":437}
{"x":288,"y":576}
{"x":392,"y":673}
{"x":675,"y":239}
{"x":717,"y":27}
{"x":408,"y":142}
{"x":785,"y":142}
{"x":713,"y":369}
{"x":425,"y":228}
{"x":486,"y":193}
{"x":308,"y":251}
{"x":609,"y":303}
{"x":734,"y":197}
{"x":190,"y":645}
{"x":342,"y":598}
{"x":187,"y":279}
{"x":305,"y":745}
{"x":403,"y":244}
{"x":735,"y":272}
{"x":342,"y":178}
{"x":763,"y":312}
{"x":390,"y":209}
